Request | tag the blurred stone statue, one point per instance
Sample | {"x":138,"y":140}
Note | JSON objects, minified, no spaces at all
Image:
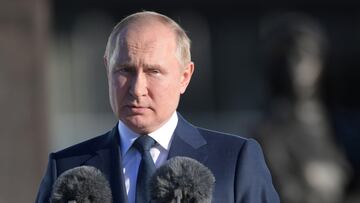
{"x":306,"y":162}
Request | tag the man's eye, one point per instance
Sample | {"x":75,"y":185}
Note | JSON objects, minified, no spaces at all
{"x":123,"y":70}
{"x":154,"y":71}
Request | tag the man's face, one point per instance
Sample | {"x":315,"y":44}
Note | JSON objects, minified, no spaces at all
{"x":145,"y":77}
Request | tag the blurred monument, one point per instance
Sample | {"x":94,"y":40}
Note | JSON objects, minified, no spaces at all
{"x":307,"y":164}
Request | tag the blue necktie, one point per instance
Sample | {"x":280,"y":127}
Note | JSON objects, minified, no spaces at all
{"x":146,"y":168}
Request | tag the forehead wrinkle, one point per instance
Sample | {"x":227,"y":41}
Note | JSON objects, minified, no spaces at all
{"x":139,"y":47}
{"x":141,"y":35}
{"x":133,"y":42}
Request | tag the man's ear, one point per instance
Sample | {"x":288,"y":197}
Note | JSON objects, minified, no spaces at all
{"x":186,"y":76}
{"x":106,"y":65}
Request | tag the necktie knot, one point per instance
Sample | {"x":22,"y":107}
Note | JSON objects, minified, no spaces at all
{"x":144,"y":143}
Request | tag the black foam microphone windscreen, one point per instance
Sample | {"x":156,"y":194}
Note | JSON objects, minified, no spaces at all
{"x":83,"y":184}
{"x":182,"y":180}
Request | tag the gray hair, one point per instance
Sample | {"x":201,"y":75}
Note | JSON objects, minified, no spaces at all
{"x":183,"y":42}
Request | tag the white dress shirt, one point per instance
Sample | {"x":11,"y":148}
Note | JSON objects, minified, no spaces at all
{"x":131,"y":157}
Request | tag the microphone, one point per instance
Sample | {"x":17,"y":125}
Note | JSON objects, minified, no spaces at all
{"x":182,"y":180}
{"x":83,"y":184}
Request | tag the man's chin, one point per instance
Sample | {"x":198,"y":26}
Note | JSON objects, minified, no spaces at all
{"x":138,"y":125}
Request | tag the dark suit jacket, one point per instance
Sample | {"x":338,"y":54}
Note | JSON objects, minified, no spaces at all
{"x":237,"y":163}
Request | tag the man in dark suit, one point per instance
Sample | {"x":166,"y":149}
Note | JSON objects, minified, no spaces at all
{"x":149,"y":66}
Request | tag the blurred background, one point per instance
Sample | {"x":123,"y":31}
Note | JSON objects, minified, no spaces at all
{"x":257,"y":66}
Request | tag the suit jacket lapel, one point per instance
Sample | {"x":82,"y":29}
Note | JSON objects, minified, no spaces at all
{"x":187,"y":141}
{"x":108,"y":160}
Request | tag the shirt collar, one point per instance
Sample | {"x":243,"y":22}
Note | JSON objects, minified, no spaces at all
{"x":162,"y":136}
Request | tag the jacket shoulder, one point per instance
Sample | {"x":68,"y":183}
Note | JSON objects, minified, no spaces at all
{"x":212,"y":135}
{"x":86,"y":147}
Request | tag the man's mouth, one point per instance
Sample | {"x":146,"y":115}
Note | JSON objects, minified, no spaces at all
{"x":137,"y":109}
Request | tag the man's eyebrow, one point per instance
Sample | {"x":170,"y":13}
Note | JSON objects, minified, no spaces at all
{"x":126,"y":64}
{"x":152,"y":66}
{"x":131,"y":65}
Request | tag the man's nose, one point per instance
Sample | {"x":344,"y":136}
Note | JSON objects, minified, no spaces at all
{"x":138,"y":86}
